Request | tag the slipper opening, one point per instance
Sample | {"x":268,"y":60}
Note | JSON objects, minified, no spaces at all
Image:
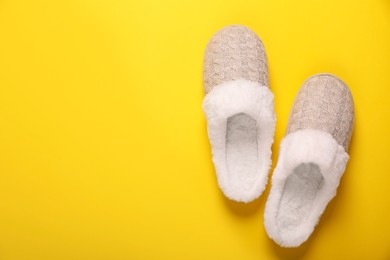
{"x":241,"y":151}
{"x":298,"y":197}
{"x":307,"y":175}
{"x":241,"y":125}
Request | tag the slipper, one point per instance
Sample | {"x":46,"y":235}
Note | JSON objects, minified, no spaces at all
{"x":239,"y":110}
{"x":312,"y":159}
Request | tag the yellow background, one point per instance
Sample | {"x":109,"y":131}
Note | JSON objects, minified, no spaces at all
{"x":103,"y":145}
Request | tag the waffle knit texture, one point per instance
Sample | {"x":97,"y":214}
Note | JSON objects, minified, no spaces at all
{"x":324,"y":102}
{"x":234,"y":52}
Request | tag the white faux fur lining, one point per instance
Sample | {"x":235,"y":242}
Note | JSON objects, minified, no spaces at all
{"x":305,"y":179}
{"x":246,"y":103}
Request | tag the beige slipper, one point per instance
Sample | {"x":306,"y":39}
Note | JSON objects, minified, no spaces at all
{"x":312,"y":159}
{"x":239,"y":110}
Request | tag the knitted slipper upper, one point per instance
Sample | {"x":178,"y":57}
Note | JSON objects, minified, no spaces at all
{"x":234,"y":52}
{"x":324,"y":102}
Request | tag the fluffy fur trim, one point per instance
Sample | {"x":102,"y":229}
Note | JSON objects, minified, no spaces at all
{"x":221,"y":103}
{"x":305,"y":179}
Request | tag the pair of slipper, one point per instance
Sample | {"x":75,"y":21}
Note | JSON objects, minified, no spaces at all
{"x":239,"y":108}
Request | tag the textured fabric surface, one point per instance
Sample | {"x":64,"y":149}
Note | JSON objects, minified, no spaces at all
{"x":234,"y":52}
{"x":241,"y":154}
{"x":239,"y":110}
{"x":307,"y":175}
{"x":324,"y":102}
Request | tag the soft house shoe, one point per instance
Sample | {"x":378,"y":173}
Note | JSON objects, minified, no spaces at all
{"x":312,"y":159}
{"x":239,"y":109}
